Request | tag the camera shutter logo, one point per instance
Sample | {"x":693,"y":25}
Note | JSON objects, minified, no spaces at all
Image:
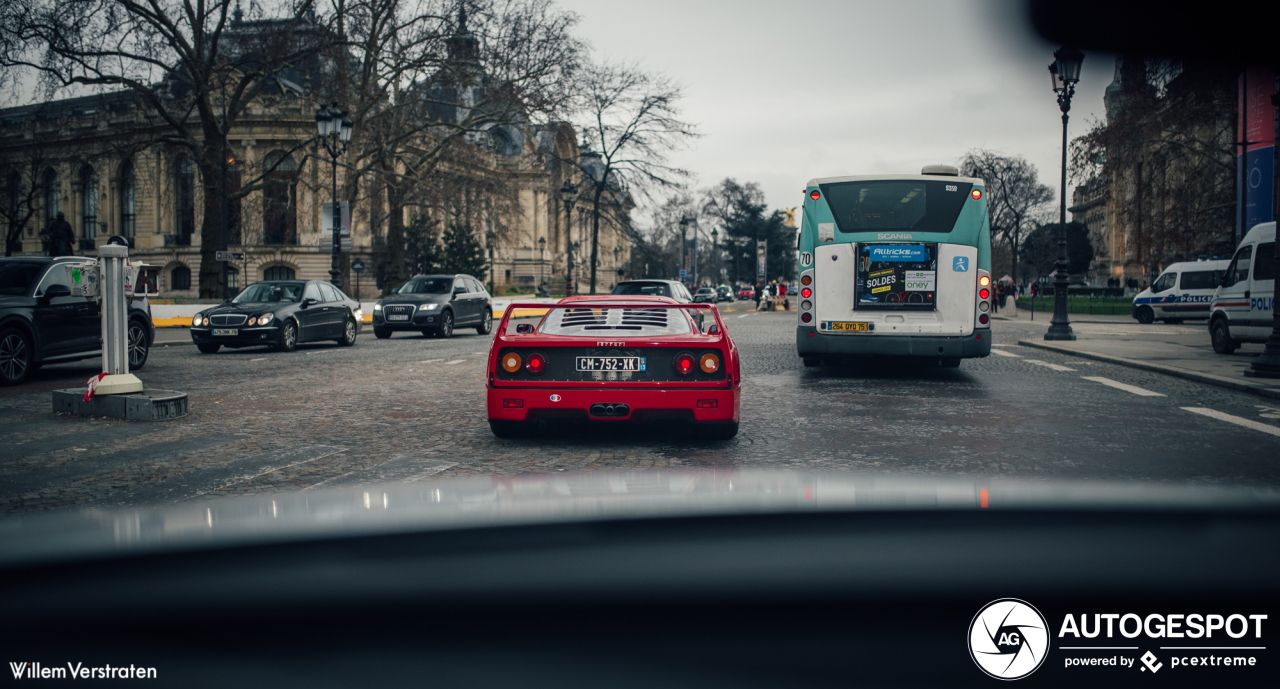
{"x":1008,"y":639}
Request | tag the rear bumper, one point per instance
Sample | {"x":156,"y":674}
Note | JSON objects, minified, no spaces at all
{"x":248,"y":337}
{"x":421,"y":321}
{"x":810,"y":342}
{"x":646,"y":405}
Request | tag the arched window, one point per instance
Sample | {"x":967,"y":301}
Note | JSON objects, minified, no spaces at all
{"x":185,"y":212}
{"x":128,"y":200}
{"x":279,"y":199}
{"x":278,"y":273}
{"x":89,"y":214}
{"x":52,"y":196}
{"x":180,"y":278}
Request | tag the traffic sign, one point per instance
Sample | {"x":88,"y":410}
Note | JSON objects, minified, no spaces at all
{"x":230,"y":255}
{"x":357,"y":265}
{"x":326,"y":245}
{"x":326,"y":219}
{"x":682,"y":273}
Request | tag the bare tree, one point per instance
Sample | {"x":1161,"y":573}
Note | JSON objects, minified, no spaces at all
{"x":632,"y":119}
{"x":1016,"y":200}
{"x":438,"y":91}
{"x":1166,"y":156}
{"x":193,"y":65}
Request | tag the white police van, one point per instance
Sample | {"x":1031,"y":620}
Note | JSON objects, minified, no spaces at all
{"x":1243,"y":305}
{"x":1183,"y":290}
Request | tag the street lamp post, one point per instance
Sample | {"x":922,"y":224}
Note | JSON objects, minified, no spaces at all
{"x":715,"y":255}
{"x":542,"y":262}
{"x":1065,"y":72}
{"x":568,"y":194}
{"x":489,"y":239}
{"x":1267,"y":364}
{"x":335,"y":132}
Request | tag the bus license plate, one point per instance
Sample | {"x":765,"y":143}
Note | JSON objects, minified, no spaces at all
{"x":610,"y":363}
{"x":854,"y":327}
{"x":221,"y":331}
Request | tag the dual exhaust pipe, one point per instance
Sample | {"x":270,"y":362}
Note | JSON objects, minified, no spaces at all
{"x":610,"y":410}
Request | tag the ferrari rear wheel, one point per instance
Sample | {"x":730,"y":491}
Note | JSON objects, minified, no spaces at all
{"x":718,"y":430}
{"x":517,"y":429}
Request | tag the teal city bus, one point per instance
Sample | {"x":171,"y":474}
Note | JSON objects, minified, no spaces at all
{"x":895,"y":266}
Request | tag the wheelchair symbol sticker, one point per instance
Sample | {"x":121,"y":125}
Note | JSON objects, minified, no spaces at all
{"x":960,"y":264}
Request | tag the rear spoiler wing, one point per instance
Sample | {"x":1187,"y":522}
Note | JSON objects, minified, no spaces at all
{"x":542,"y":309}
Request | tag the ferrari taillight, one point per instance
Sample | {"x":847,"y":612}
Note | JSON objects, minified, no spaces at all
{"x":684,"y":363}
{"x":709,"y":363}
{"x":511,"y":362}
{"x":536,"y":363}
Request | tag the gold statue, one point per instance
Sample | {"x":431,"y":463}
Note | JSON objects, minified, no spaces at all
{"x":791,"y":217}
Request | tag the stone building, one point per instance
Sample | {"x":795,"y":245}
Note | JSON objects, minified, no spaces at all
{"x":100,"y":160}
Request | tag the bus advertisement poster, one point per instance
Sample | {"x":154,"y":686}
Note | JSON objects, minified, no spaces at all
{"x":897,"y":276}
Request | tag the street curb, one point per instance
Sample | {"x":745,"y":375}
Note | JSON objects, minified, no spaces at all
{"x":1208,"y":378}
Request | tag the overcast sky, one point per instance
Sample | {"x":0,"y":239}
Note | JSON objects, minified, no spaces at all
{"x":784,"y":92}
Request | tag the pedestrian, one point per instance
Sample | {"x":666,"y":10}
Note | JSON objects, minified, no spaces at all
{"x":759,"y":294}
{"x":995,"y":303}
{"x":62,"y":238}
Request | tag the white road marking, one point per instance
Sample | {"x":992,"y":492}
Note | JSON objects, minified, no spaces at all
{"x":744,"y":315}
{"x":1001,"y":352}
{"x":430,"y":361}
{"x":260,"y":359}
{"x":455,"y":361}
{"x":1121,"y":386}
{"x":1056,"y":367}
{"x":1247,"y":423}
{"x":1000,"y":345}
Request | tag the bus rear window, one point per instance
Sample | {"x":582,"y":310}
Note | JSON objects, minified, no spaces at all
{"x":902,"y":205}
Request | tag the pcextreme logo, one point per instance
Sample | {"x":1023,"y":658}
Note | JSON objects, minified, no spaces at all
{"x":1008,"y":639}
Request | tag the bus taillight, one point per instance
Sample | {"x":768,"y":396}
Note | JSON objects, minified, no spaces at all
{"x":984,"y":280}
{"x":976,"y":194}
{"x":806,"y":293}
{"x":984,"y":319}
{"x":813,"y":195}
{"x":984,"y":293}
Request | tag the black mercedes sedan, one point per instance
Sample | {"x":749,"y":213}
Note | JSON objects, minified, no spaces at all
{"x":435,"y":305}
{"x":280,"y":314}
{"x":42,"y":322}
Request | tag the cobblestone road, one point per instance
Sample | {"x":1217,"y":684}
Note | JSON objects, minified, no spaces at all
{"x":410,"y":408}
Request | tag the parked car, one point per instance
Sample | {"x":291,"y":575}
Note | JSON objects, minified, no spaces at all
{"x":280,"y":314}
{"x":706,"y":295}
{"x":41,"y":322}
{"x":1243,"y":306}
{"x":1183,"y":291}
{"x":746,"y":294}
{"x":672,"y":289}
{"x":612,"y":359}
{"x":434,"y":305}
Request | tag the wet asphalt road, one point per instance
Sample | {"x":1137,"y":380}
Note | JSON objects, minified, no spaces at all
{"x":412,"y":408}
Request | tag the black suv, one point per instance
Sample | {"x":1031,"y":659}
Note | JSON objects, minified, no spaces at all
{"x":434,"y":304}
{"x":42,"y":323}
